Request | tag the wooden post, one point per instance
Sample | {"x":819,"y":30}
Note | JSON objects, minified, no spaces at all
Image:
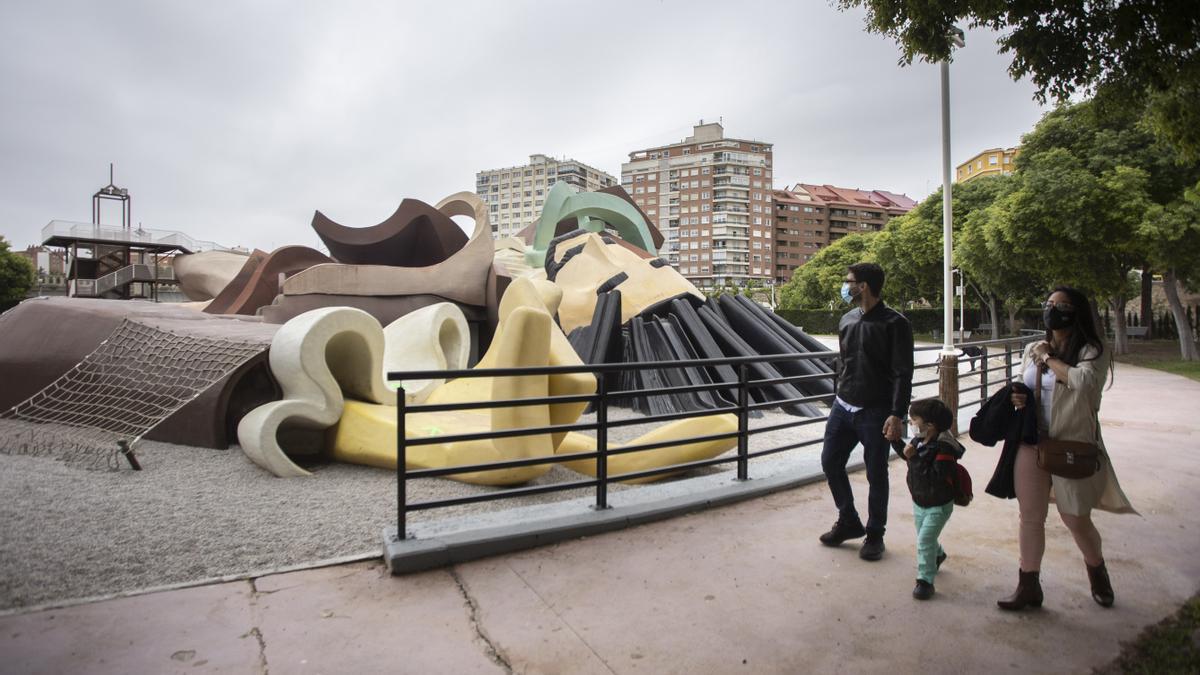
{"x":948,"y":386}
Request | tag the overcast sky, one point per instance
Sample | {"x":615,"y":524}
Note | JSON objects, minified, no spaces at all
{"x":235,"y":123}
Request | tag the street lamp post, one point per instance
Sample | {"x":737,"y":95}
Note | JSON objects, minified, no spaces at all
{"x":948,"y":365}
{"x":956,"y":38}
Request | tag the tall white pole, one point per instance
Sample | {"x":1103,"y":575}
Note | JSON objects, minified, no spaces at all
{"x":947,"y":218}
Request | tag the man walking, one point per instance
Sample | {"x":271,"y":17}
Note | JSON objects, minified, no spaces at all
{"x":873,"y":392}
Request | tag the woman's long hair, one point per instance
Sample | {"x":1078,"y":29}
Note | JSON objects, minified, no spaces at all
{"x":1083,"y":333}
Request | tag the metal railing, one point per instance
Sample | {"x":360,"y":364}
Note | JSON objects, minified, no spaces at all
{"x":602,"y":400}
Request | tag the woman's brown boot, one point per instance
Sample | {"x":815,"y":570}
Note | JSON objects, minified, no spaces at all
{"x":1028,"y":593}
{"x":1102,"y":590}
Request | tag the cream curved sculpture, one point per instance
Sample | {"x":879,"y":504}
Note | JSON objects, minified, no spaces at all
{"x":431,"y":338}
{"x":585,"y":264}
{"x":315,"y":357}
{"x":652,"y":459}
{"x":525,"y":336}
{"x":203,"y":275}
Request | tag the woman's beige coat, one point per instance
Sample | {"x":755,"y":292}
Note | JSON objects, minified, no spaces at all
{"x":1074,"y":416}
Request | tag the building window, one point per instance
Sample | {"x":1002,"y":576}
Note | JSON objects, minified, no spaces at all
{"x":992,"y":160}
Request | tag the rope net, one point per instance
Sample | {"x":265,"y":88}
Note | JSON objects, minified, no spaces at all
{"x":138,"y":376}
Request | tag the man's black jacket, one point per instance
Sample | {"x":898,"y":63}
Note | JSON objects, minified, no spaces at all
{"x":997,"y":420}
{"x":876,"y":366}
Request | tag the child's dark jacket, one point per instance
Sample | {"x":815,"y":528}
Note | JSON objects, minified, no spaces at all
{"x":933,"y":470}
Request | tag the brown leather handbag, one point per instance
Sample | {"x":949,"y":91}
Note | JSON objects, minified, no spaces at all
{"x":1065,"y":459}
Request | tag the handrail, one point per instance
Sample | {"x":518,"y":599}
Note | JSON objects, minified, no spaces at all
{"x":601,"y":400}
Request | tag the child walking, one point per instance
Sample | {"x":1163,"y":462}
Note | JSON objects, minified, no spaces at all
{"x":932,"y":455}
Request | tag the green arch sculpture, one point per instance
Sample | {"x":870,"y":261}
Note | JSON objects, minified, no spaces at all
{"x":592,"y":210}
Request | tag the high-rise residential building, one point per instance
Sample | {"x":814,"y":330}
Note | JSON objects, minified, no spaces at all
{"x":992,"y":162}
{"x":515,"y":194}
{"x":809,"y":217}
{"x":711,"y":198}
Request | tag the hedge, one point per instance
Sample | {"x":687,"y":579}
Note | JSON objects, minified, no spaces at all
{"x":923,"y":319}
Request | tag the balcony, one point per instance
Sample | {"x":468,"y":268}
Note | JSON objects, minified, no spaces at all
{"x":63,"y":232}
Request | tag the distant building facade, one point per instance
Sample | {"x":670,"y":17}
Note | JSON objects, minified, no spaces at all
{"x":711,"y":198}
{"x":515,"y":194}
{"x":991,"y":162}
{"x":809,"y":217}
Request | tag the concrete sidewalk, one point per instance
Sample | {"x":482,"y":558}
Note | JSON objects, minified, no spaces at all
{"x":742,"y":589}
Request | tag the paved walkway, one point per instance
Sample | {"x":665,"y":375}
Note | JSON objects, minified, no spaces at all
{"x":743,"y":589}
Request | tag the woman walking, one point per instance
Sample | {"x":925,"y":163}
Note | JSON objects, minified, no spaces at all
{"x":1074,"y":365}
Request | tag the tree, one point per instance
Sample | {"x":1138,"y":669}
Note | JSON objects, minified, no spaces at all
{"x":818,"y":283}
{"x":980,"y":249}
{"x":1172,"y":235}
{"x":1125,"y":53}
{"x":16,"y":274}
{"x":1087,"y":178}
{"x":910,"y":248}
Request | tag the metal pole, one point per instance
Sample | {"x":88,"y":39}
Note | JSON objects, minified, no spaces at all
{"x":947,"y":215}
{"x":602,"y":443}
{"x":743,"y":442}
{"x":401,"y":466}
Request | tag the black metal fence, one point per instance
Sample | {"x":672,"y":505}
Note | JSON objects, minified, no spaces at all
{"x":601,"y":401}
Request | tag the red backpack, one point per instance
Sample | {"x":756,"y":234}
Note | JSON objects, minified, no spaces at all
{"x":961,"y":481}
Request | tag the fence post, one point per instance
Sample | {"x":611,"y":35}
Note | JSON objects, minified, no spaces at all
{"x":1008,"y":352}
{"x":948,"y":385}
{"x":743,"y":442}
{"x":401,"y":465}
{"x":602,"y":442}
{"x":983,"y":377}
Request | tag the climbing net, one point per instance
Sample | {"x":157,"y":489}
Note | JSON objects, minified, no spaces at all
{"x":101,"y":408}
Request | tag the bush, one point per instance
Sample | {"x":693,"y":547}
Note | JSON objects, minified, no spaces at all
{"x":923,"y":319}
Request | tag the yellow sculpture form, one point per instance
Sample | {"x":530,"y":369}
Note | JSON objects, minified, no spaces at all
{"x":526,"y":336}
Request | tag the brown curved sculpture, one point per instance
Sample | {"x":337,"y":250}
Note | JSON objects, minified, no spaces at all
{"x":258,"y":282}
{"x":390,"y":291}
{"x":416,"y":235}
{"x":44,"y":338}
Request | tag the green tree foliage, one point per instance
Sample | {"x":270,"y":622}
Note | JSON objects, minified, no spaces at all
{"x":1126,"y":53}
{"x":16,"y":274}
{"x":910,"y":248}
{"x":819,"y":281}
{"x":1086,"y":182}
{"x":1171,"y":234}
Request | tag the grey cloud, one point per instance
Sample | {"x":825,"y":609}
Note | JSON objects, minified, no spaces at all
{"x":235,"y":123}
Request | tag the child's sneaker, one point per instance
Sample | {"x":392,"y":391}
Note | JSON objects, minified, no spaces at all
{"x":923,"y":590}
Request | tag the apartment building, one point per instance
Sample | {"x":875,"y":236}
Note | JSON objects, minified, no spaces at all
{"x":711,"y":199}
{"x":991,"y":162}
{"x":515,"y":194}
{"x":809,"y":217}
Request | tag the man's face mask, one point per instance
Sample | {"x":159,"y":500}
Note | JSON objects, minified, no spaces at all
{"x":849,"y":291}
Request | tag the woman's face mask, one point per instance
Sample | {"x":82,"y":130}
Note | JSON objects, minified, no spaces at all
{"x":1058,"y":315}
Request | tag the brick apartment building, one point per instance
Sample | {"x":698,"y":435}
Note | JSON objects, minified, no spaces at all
{"x":810,"y":217}
{"x":711,"y":198}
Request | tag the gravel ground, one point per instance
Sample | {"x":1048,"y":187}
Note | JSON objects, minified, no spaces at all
{"x":195,"y":514}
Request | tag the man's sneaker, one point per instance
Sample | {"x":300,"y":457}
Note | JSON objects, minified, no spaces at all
{"x":841,"y":532}
{"x":872,"y":548}
{"x":941,"y":559}
{"x":923,"y":590}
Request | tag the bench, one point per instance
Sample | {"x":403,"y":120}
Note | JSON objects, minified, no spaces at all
{"x":1137,"y":331}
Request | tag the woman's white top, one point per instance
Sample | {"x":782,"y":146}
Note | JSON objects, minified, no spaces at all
{"x":1048,"y":380}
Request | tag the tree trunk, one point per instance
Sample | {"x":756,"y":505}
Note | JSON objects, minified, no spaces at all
{"x":1012,"y":318}
{"x":1187,"y":345}
{"x":1120,"y":339}
{"x":1147,"y":298}
{"x":994,"y":313}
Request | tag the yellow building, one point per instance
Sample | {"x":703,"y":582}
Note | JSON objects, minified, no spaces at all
{"x":992,"y":162}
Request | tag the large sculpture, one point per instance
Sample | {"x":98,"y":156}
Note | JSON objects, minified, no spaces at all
{"x":415,"y":293}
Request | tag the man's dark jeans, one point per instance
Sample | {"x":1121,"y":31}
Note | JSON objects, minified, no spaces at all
{"x":843,"y":431}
